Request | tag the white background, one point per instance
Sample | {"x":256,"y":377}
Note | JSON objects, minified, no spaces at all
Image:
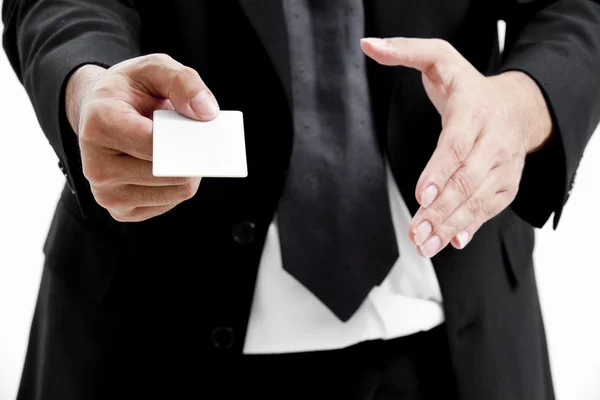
{"x":30,"y":182}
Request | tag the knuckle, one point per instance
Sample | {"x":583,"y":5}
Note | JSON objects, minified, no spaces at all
{"x":118,"y":217}
{"x":157,"y":58}
{"x":106,"y":199}
{"x":446,"y":49}
{"x":447,"y":230}
{"x":98,"y":120}
{"x":439,"y":73}
{"x":137,"y":214}
{"x":179,"y":78}
{"x":102,"y":91}
{"x":503,"y":153}
{"x":189,"y":72}
{"x":130,"y":216}
{"x":182,"y":77}
{"x":442,"y":45}
{"x":96,"y":175}
{"x":436,"y":213}
{"x":89,"y":129}
{"x":187,"y":191}
{"x":458,"y":151}
{"x":462,"y":182}
{"x":475,"y":206}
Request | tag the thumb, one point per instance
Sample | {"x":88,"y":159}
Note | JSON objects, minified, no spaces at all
{"x":162,"y":76}
{"x":420,"y":54}
{"x":435,"y":58}
{"x":443,"y":68}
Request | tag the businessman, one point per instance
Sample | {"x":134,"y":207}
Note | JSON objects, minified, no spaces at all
{"x":381,"y":245}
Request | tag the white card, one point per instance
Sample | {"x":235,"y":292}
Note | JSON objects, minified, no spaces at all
{"x":183,"y":147}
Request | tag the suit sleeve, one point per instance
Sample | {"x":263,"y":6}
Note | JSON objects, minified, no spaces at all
{"x":557,"y":43}
{"x":45,"y":41}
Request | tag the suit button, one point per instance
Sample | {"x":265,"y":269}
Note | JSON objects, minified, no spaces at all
{"x":243,"y":232}
{"x":222,"y":337}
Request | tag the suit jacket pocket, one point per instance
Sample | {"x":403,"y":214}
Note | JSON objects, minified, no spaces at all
{"x":518,"y":242}
{"x":79,"y":253}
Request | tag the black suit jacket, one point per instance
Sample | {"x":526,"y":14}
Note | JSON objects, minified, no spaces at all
{"x":121,"y":303}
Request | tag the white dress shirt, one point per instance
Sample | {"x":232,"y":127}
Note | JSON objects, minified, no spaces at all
{"x":286,"y":317}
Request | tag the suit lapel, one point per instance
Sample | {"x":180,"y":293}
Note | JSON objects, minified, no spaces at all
{"x":268,"y":20}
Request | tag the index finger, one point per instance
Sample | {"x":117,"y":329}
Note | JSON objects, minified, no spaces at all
{"x":115,"y":125}
{"x":454,"y":145}
{"x":160,"y":75}
{"x":420,"y":54}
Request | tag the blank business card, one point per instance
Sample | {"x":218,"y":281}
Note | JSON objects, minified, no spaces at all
{"x":183,"y":147}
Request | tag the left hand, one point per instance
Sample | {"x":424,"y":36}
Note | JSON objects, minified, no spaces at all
{"x":489,"y":125}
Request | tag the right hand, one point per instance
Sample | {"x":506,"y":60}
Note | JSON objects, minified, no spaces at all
{"x":111,"y":110}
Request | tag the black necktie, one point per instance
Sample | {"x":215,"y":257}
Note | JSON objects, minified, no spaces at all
{"x":334,"y":219}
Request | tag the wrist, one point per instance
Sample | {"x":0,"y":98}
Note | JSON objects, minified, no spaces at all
{"x":530,"y":107}
{"x":77,"y":86}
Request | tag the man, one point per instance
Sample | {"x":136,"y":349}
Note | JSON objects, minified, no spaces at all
{"x":381,"y":245}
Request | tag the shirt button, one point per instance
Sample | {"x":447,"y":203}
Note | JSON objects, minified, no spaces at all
{"x":222,"y":337}
{"x":243,"y":232}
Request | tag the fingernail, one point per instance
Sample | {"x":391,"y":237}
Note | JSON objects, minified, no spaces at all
{"x":462,"y":238}
{"x":431,"y":246}
{"x":377,"y":42}
{"x":422,"y":232}
{"x":205,"y":105}
{"x":429,"y":195}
